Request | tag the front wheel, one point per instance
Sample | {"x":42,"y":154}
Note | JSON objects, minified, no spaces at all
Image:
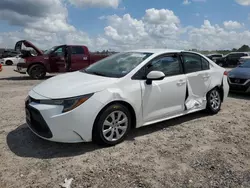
{"x":112,"y":125}
{"x":37,"y":71}
{"x":213,"y":101}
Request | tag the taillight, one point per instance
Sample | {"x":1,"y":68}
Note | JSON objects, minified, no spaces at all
{"x":225,"y":73}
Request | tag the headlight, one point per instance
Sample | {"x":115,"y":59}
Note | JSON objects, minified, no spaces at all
{"x":69,"y":103}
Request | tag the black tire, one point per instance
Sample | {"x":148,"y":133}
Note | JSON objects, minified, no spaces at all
{"x":213,"y":103}
{"x":37,"y":71}
{"x":9,"y":62}
{"x":98,"y":135}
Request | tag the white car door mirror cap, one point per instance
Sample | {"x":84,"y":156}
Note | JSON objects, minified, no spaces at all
{"x":155,"y":75}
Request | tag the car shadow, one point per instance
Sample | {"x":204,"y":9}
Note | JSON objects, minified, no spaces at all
{"x":24,"y":143}
{"x":245,"y":96}
{"x":21,"y":78}
{"x":165,"y":124}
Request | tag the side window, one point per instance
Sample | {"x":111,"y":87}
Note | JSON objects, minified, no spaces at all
{"x":169,"y":65}
{"x":59,"y":51}
{"x":192,"y":62}
{"x":205,"y":64}
{"x":77,"y":50}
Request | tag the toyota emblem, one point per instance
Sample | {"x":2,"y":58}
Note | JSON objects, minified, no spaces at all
{"x":237,"y":80}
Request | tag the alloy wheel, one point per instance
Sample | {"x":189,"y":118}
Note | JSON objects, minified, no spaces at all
{"x":215,"y":99}
{"x":115,"y":126}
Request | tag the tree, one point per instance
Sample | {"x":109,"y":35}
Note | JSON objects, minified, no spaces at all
{"x":244,"y":48}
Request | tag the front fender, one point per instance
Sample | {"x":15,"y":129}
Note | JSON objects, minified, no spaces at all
{"x":133,"y":98}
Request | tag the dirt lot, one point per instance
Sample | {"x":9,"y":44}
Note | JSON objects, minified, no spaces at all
{"x":192,"y":151}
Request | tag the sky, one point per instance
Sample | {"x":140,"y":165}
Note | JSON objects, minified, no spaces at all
{"x":126,"y":24}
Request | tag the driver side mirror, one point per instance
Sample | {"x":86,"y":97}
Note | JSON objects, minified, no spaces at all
{"x":154,"y":75}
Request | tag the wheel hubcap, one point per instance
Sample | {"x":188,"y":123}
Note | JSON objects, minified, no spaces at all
{"x":115,"y":126}
{"x":37,"y":72}
{"x":215,"y":99}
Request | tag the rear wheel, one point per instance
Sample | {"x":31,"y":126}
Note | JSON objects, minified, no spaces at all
{"x":9,"y":62}
{"x":37,"y":71}
{"x":213,"y":101}
{"x":112,"y":125}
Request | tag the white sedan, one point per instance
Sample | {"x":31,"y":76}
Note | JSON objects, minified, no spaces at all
{"x":10,"y":60}
{"x":127,"y":90}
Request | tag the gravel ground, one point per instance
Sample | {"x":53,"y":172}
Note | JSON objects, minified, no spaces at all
{"x":192,"y":151}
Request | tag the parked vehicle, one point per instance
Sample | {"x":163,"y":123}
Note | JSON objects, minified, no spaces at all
{"x":127,"y":90}
{"x":239,"y":77}
{"x":52,"y":60}
{"x":1,"y":67}
{"x":9,"y":53}
{"x":11,"y":60}
{"x":213,"y":57}
{"x":231,"y":59}
{"x":243,"y":59}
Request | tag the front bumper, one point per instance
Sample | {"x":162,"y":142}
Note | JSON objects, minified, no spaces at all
{"x":48,"y":121}
{"x":21,"y":68}
{"x":239,"y":85}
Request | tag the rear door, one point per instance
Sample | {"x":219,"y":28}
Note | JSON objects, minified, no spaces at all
{"x":79,"y":58}
{"x":198,"y":74}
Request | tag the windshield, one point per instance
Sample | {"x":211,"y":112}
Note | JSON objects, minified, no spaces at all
{"x":50,"y":50}
{"x":245,"y":64}
{"x":117,"y":65}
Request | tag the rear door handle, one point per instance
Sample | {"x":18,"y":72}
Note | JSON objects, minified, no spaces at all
{"x":206,"y":76}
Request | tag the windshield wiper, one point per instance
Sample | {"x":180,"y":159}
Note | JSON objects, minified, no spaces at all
{"x":94,"y":72}
{"x":97,"y":73}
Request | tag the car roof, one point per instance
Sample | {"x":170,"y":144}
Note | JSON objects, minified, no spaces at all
{"x":245,"y":57}
{"x":158,"y":51}
{"x":214,"y":54}
{"x":239,"y":53}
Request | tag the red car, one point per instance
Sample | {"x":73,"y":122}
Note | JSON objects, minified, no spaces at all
{"x":53,"y":60}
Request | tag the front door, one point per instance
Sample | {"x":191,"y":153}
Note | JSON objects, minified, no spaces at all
{"x":198,"y":74}
{"x":57,"y":60}
{"x":79,"y":59}
{"x":165,"y":97}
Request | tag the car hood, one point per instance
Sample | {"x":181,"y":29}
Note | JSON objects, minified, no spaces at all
{"x":72,"y":84}
{"x":240,"y":72}
{"x":18,"y":46}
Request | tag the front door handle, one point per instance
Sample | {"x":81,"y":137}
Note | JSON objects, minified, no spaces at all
{"x":181,"y":82}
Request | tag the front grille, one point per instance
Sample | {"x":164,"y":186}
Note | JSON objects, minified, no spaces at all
{"x":36,"y":122}
{"x":241,"y":88}
{"x":237,"y":80}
